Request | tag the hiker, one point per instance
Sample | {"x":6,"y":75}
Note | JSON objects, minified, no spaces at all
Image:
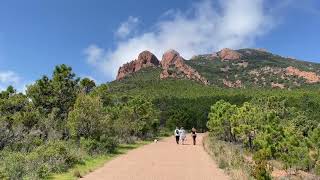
{"x":194,"y":135}
{"x":182,"y":135}
{"x":177,"y":134}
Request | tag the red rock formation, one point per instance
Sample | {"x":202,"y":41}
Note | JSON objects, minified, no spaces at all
{"x":172,"y":59}
{"x":229,"y":54}
{"x":145,"y":59}
{"x":311,"y":77}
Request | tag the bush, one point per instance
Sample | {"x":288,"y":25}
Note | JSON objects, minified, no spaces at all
{"x":77,"y":174}
{"x":260,"y":171}
{"x":229,"y":157}
{"x":105,"y":145}
{"x":109,"y":144}
{"x":57,"y":153}
{"x":13,"y":165}
{"x":317,"y":168}
{"x":52,"y":157}
{"x":223,"y":164}
{"x":56,"y":156}
{"x":27,"y":144}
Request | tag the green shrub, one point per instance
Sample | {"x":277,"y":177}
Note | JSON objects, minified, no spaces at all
{"x":77,"y":174}
{"x":260,"y":171}
{"x":108,"y":144}
{"x":55,"y":156}
{"x":13,"y":165}
{"x":223,"y":164}
{"x":317,"y":168}
{"x":105,"y":145}
{"x":229,"y":157}
{"x":27,"y":144}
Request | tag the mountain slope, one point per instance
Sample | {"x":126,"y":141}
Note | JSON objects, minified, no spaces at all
{"x":244,"y":68}
{"x":256,"y":68}
{"x":183,"y":99}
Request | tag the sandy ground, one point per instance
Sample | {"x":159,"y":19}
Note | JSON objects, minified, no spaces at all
{"x":164,"y":160}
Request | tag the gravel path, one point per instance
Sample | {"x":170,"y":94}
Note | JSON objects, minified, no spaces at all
{"x":164,"y":160}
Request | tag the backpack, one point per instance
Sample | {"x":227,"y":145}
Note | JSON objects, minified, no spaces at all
{"x":177,"y":132}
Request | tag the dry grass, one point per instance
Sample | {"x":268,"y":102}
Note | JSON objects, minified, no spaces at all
{"x":229,"y":157}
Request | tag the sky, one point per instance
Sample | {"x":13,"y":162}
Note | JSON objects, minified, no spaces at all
{"x":95,"y":37}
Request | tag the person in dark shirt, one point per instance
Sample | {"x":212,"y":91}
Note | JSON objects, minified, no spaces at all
{"x":194,"y":135}
{"x":177,"y":134}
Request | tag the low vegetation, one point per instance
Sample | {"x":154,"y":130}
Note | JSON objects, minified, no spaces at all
{"x":230,"y":157}
{"x":271,"y":130}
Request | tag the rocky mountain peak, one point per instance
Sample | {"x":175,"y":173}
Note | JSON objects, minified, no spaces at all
{"x":229,"y":54}
{"x":145,"y":59}
{"x":174,"y":66}
{"x":170,"y":57}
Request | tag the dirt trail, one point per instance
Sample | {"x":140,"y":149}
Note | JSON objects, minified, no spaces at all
{"x":164,"y":160}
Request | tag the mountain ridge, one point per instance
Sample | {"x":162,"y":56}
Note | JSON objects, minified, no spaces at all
{"x":230,"y":68}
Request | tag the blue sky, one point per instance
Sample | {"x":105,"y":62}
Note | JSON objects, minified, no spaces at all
{"x":95,"y":37}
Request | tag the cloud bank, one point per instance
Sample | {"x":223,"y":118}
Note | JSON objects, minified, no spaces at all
{"x":204,"y":28}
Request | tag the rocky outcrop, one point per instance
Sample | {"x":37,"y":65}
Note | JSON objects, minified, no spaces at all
{"x":290,"y":74}
{"x":174,"y":66}
{"x":242,"y":64}
{"x":310,"y":77}
{"x":229,"y":54}
{"x":230,"y":84}
{"x":145,"y":59}
{"x":277,"y":85}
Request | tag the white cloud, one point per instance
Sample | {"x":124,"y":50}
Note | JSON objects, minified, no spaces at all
{"x":94,"y":54}
{"x":9,"y":77}
{"x":204,"y":28}
{"x":127,"y":27}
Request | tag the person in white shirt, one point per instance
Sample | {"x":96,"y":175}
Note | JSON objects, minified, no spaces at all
{"x":182,"y":135}
{"x":177,"y":134}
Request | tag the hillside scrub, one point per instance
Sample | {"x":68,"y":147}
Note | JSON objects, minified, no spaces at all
{"x":62,"y":120}
{"x":271,"y":130}
{"x":230,"y":157}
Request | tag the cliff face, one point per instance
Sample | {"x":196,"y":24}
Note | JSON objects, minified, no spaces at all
{"x":145,"y":59}
{"x":174,"y":66}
